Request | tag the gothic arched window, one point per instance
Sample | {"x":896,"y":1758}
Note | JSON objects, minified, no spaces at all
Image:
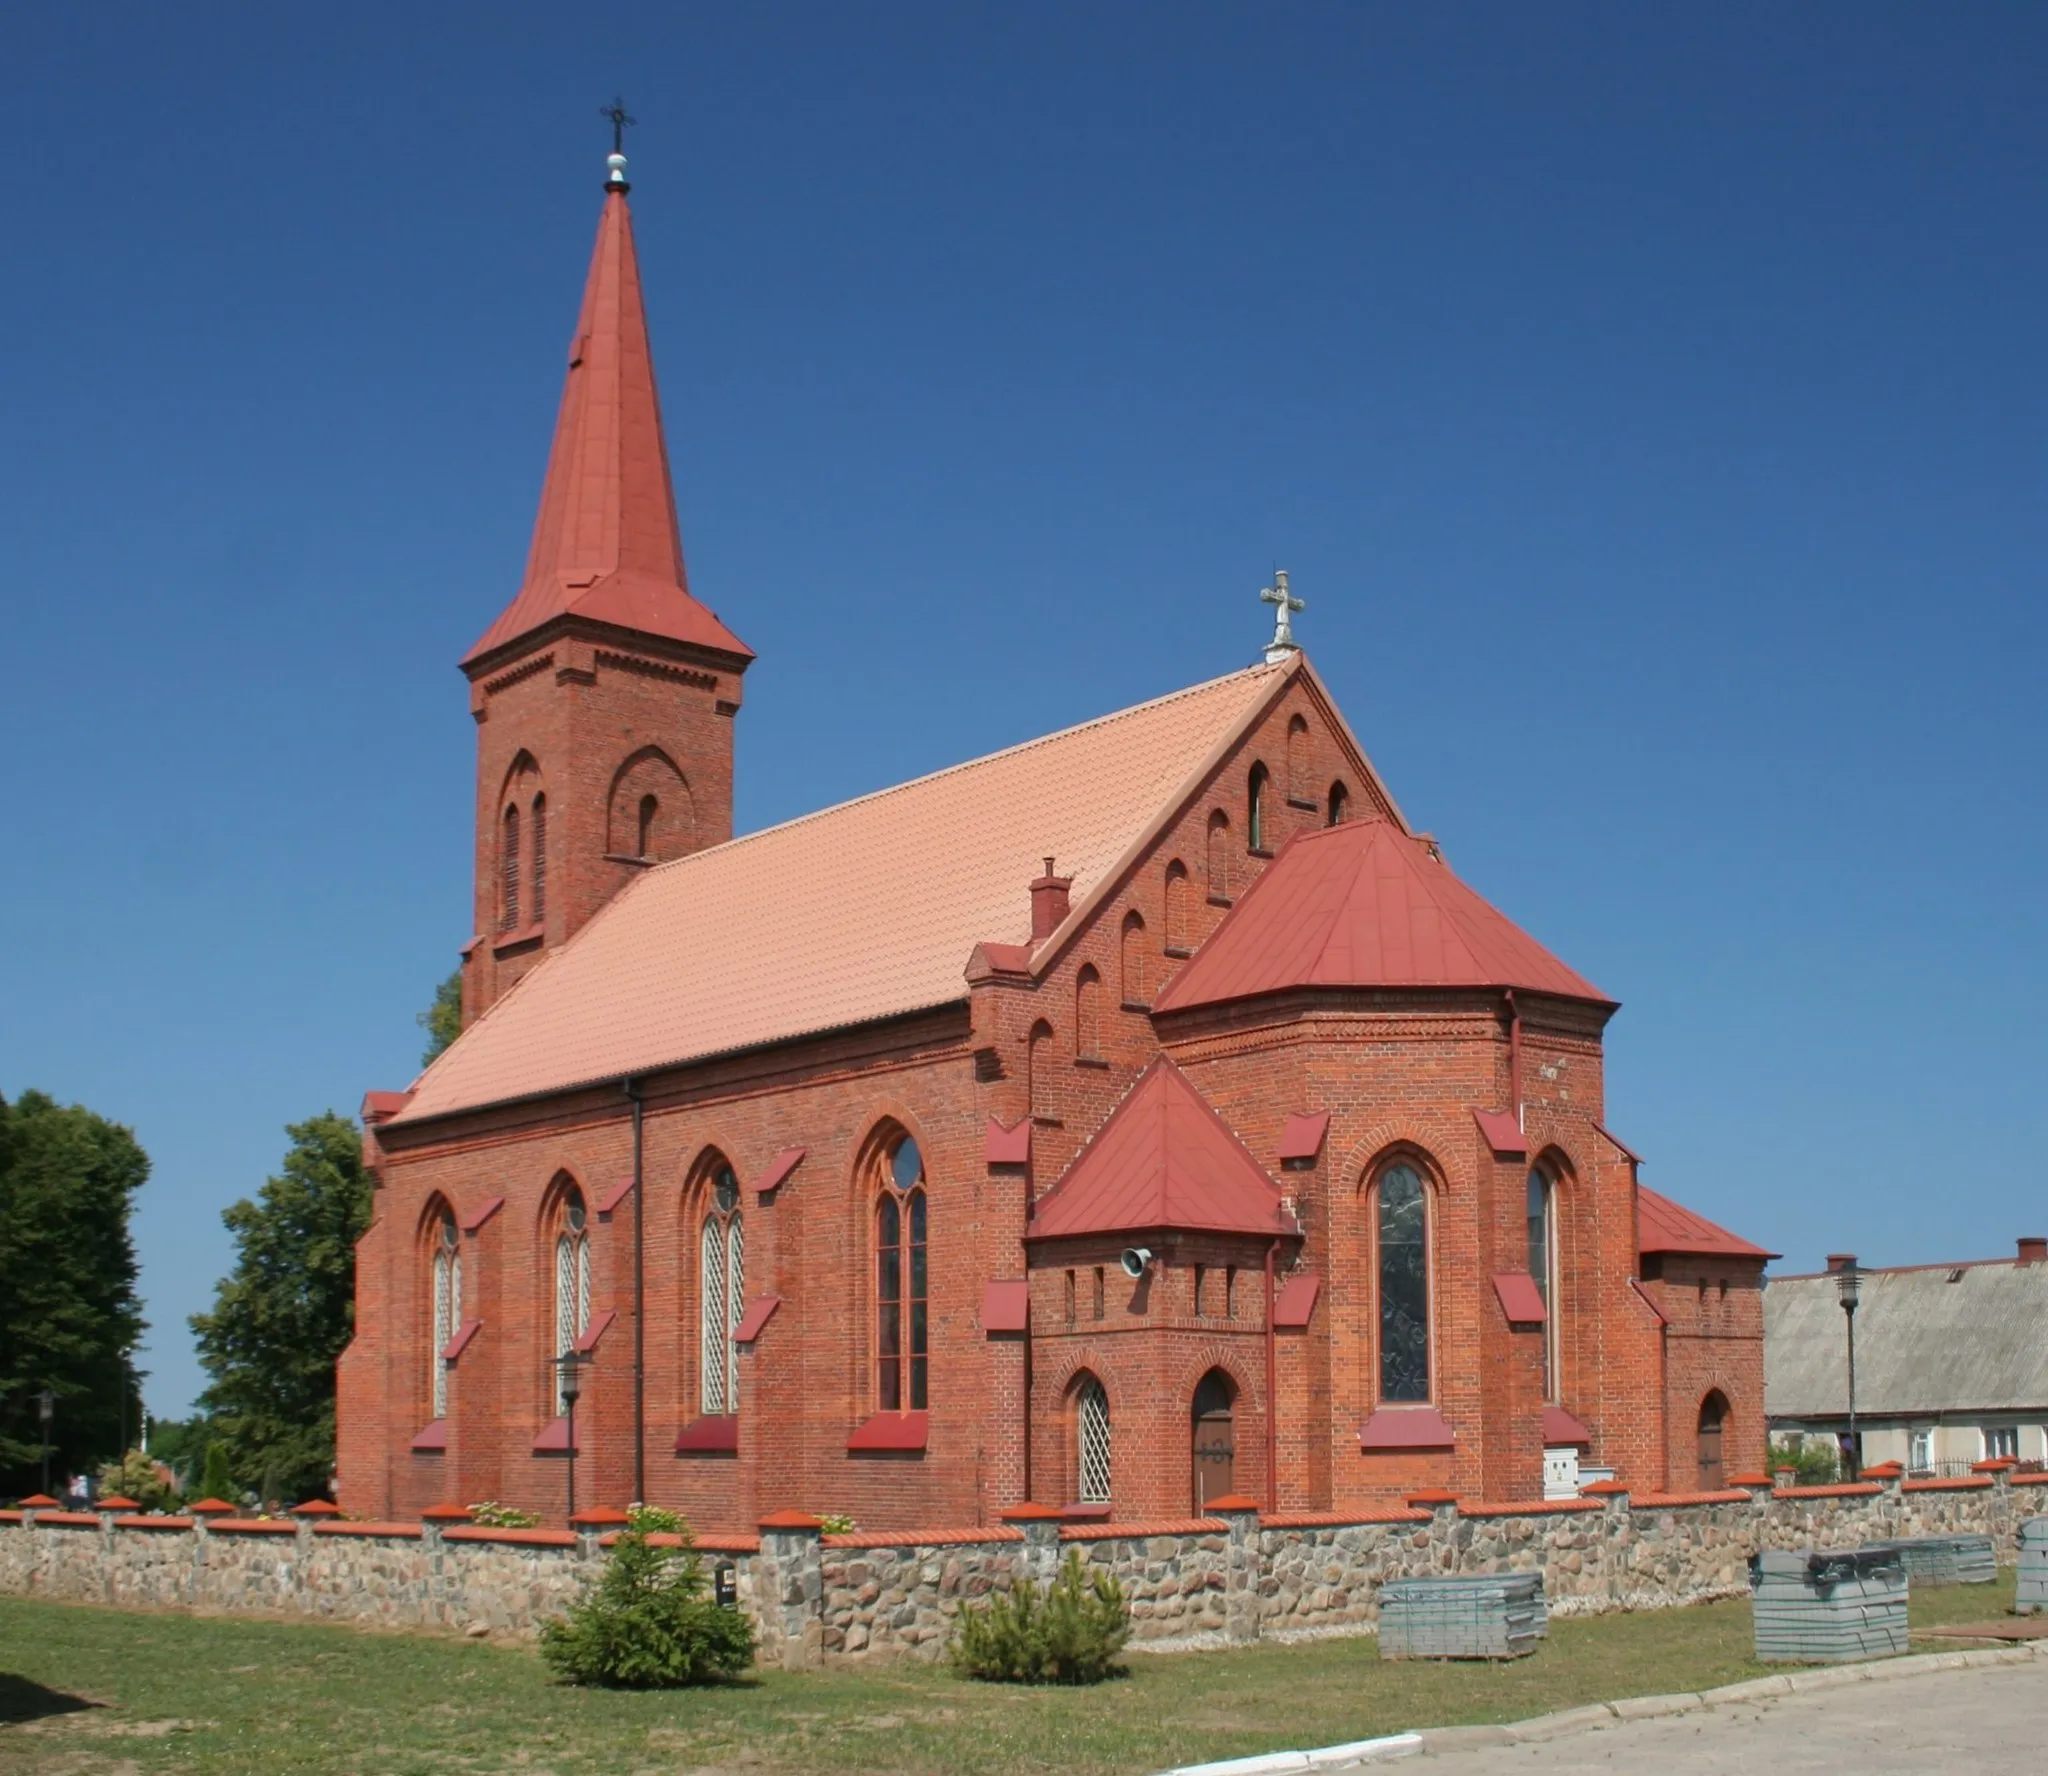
{"x":540,"y":859}
{"x":1176,"y":905}
{"x":446,"y":1284}
{"x":1402,"y":1227}
{"x":1298,"y":761}
{"x":650,"y":807}
{"x":572,"y":1279}
{"x":902,"y":1328}
{"x":508,"y":873}
{"x":1340,"y":805}
{"x":721,"y":1292}
{"x":1542,"y":1227}
{"x":1219,"y":856}
{"x":1091,"y":1440}
{"x":1255,"y":807}
{"x":1131,"y":961}
{"x":1037,"y":1052}
{"x":1088,"y":1013}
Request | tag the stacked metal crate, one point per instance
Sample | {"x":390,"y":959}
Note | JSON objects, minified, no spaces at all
{"x":1814,"y":1608}
{"x":2033,"y":1586}
{"x":1483,"y":1616}
{"x":1947,"y":1560}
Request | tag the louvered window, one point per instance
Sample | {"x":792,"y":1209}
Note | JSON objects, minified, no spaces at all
{"x":508,"y":867}
{"x":1091,"y":1429}
{"x":540,"y":859}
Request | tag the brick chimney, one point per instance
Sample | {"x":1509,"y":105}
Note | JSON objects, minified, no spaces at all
{"x":1841,"y":1261}
{"x":2033,"y":1249}
{"x":1048,"y":903}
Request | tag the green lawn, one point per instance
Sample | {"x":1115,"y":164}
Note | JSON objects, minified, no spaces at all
{"x":98,"y":1692}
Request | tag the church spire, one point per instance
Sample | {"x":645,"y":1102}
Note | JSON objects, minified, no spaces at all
{"x":606,"y":545}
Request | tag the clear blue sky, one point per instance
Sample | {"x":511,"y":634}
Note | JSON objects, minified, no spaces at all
{"x":1651,"y":403}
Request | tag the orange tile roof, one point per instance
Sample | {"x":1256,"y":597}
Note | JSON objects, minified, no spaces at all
{"x":1164,"y":1159}
{"x":861,"y":911}
{"x":1365,"y":905}
{"x":606,"y":545}
{"x":1665,"y":1226}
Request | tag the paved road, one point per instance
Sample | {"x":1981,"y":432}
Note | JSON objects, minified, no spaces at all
{"x":1986,"y":1720}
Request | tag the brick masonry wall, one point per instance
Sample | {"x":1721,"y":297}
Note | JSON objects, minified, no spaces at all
{"x":824,"y":1600}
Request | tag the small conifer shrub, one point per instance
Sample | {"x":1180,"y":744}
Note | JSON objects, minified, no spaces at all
{"x":1070,"y":1635}
{"x":649,"y":1625}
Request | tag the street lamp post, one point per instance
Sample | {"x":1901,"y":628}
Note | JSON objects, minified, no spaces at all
{"x":569,"y":1365}
{"x":46,"y":1409}
{"x":1848,"y":1286}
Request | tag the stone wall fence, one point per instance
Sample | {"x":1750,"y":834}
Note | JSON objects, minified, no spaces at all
{"x":1234,"y":1576}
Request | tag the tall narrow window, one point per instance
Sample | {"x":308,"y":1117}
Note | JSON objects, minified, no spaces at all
{"x":572,"y":1280}
{"x":1255,"y":807}
{"x":649,"y":809}
{"x":1036,"y":1053}
{"x":447,"y":1285}
{"x":721,"y":1293}
{"x":1230,"y":1292}
{"x":1340,"y":804}
{"x":1219,"y":856}
{"x":1070,"y":1298}
{"x":1091,"y":1435}
{"x":902,"y":1331}
{"x":508,"y":873}
{"x":1098,"y":1291}
{"x":540,"y":859}
{"x":1131,"y":961}
{"x":1298,"y":789}
{"x":1201,"y":1277}
{"x":1542,"y":1225}
{"x":1404,"y":1285}
{"x":1088,"y":1013}
{"x":1176,"y":905}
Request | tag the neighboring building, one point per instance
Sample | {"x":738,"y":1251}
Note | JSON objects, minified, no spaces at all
{"x":1951,"y":1361}
{"x":1139,"y":1115}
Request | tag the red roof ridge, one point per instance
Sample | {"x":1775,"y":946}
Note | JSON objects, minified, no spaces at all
{"x":1666,"y":1226}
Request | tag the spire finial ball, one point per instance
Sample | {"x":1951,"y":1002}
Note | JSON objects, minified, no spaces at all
{"x":615,"y":168}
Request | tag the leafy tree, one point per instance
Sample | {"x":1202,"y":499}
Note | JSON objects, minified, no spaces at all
{"x":180,"y":1444}
{"x":135,"y":1476}
{"x":649,"y":1624}
{"x":442,"y":1020}
{"x":68,"y":1309}
{"x":280,"y":1321}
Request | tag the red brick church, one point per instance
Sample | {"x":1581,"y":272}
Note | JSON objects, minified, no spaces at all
{"x":1139,"y":1115}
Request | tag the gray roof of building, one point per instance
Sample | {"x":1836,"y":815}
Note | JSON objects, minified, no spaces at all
{"x":1924,"y":1343}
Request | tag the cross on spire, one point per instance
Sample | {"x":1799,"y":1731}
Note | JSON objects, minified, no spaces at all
{"x":1285,"y":605}
{"x":616,"y":163}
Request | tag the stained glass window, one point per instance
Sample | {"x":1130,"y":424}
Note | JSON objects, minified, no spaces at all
{"x":902,"y":1310}
{"x":1404,"y":1285}
{"x":1543,"y":1268}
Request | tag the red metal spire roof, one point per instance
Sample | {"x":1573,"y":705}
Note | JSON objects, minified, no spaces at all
{"x":606,"y":545}
{"x":1163,"y":1160}
{"x":1365,"y":905}
{"x":1665,"y":1226}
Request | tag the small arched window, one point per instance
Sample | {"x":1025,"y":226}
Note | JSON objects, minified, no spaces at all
{"x":902,"y":1308}
{"x":572,"y":1280}
{"x":1403,"y":1264}
{"x":1340,"y":805}
{"x":446,"y":1284}
{"x":650,"y":809}
{"x":540,"y":859}
{"x":1088,"y":1013}
{"x":1297,"y":761}
{"x":1176,"y":906}
{"x":1541,"y":1218}
{"x":1255,"y":807}
{"x":721,"y":1292}
{"x":1091,"y":1440}
{"x":1131,"y":961}
{"x":508,"y":873}
{"x":1713,"y":1416}
{"x":1219,"y":856}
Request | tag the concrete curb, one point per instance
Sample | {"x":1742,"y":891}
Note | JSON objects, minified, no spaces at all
{"x":1440,"y":1741}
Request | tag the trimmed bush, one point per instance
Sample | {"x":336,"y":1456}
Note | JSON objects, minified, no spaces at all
{"x":649,"y":1624}
{"x":492,"y":1515}
{"x":1070,"y":1635}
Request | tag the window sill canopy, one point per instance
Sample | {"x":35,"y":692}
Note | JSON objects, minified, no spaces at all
{"x":1406,"y":1427}
{"x":892,"y":1431}
{"x":455,"y":1346}
{"x":432,"y":1439}
{"x":714,"y":1434}
{"x":506,"y":942}
{"x":554,"y":1439}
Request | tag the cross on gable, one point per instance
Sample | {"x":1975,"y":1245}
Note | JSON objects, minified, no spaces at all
{"x":1285,"y":605}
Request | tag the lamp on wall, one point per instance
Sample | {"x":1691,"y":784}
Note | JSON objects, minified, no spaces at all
{"x":1849,"y":1288}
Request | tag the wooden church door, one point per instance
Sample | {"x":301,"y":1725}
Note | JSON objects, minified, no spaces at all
{"x":1215,"y":1448}
{"x":1713,"y":1410}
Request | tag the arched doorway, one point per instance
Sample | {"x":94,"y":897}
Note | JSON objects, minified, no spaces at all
{"x":1214,"y":1453}
{"x":1713,"y":1414}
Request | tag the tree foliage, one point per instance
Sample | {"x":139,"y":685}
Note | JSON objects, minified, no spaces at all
{"x":282,"y":1318}
{"x":68,"y":1309}
{"x":649,"y":1624}
{"x":442,"y":1020}
{"x":1070,"y":1635}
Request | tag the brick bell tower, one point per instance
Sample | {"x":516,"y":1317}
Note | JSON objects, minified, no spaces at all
{"x":604,"y":695}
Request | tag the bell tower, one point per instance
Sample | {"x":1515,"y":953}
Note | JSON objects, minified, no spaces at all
{"x":604,"y":694}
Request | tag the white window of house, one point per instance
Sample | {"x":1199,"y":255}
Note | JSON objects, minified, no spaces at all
{"x":1920,"y":1452}
{"x":2002,"y":1444}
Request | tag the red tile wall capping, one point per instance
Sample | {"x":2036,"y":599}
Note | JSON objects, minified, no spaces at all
{"x":1007,"y":1146}
{"x":316,"y":1508}
{"x":755,"y":1320}
{"x":599,"y":1517}
{"x":2029,"y":1479}
{"x":140,"y":1522}
{"x":1520,"y":1300}
{"x":1006,"y":1306}
{"x":1534,"y":1508}
{"x":395,"y":1531}
{"x":78,"y":1520}
{"x":1961,"y":1483}
{"x":1340,"y":1519}
{"x":661,"y":1538}
{"x":212,"y":1507}
{"x":517,"y":1538}
{"x":1997,"y":1464}
{"x":1302,"y":1136}
{"x":1502,"y":1133}
{"x":790,"y":1520}
{"x":1664,"y":1501}
{"x":42,"y":1501}
{"x":922,"y":1538}
{"x":116,"y":1502}
{"x":252,"y":1526}
{"x":10,"y":1516}
{"x":1853,"y":1489}
{"x":445,"y":1514}
{"x":1179,"y":1526}
{"x":779,"y":1169}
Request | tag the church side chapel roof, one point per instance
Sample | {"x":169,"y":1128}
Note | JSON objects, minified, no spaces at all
{"x":1164,"y":1159}
{"x":1365,"y":905}
{"x":863,"y":911}
{"x":606,"y":545}
{"x":1665,"y":1226}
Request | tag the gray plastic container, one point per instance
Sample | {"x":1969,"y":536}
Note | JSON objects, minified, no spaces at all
{"x":1480,"y":1616}
{"x":1947,"y":1560}
{"x":1818,"y":1608}
{"x":2032,"y":1594}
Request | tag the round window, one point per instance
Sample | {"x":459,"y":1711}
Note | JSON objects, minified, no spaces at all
{"x":906,"y":1164}
{"x":725,"y":1188}
{"x":448,"y":1232}
{"x":575,"y":1217}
